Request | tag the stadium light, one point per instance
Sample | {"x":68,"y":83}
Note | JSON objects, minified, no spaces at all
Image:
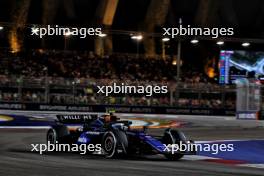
{"x":194,"y":41}
{"x":165,"y":39}
{"x":102,"y":35}
{"x":174,"y":62}
{"x":137,"y":37}
{"x":1,"y":28}
{"x":66,"y":38}
{"x":220,"y":42}
{"x":34,"y":30}
{"x":246,"y":44}
{"x":67,"y":34}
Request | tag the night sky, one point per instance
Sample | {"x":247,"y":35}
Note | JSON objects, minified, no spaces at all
{"x":246,"y":16}
{"x":249,"y":14}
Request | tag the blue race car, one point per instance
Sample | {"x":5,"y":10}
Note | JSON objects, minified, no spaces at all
{"x":116,"y":136}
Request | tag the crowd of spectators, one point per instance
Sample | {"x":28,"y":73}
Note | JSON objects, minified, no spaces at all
{"x":38,"y":63}
{"x":83,"y":68}
{"x":84,"y":99}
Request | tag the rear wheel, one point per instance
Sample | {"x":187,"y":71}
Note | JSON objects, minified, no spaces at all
{"x":58,"y":134}
{"x":52,"y":136}
{"x":109,"y":145}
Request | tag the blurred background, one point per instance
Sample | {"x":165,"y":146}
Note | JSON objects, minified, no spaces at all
{"x":65,"y":70}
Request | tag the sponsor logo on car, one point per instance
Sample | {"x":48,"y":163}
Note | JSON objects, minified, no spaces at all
{"x":82,"y":140}
{"x":93,"y":132}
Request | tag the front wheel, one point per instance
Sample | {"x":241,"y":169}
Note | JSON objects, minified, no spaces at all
{"x":174,"y":157}
{"x":173,"y":137}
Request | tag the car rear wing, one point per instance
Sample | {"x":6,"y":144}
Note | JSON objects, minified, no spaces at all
{"x":76,"y":118}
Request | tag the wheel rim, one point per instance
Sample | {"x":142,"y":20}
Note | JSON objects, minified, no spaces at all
{"x":109,"y":143}
{"x":51,"y":137}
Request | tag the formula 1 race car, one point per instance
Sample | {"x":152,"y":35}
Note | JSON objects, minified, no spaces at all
{"x":115,"y":136}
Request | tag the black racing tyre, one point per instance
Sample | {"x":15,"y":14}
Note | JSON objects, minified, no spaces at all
{"x":52,"y":136}
{"x":173,"y":137}
{"x":122,"y":141}
{"x":57,"y":134}
{"x":112,"y":142}
{"x":174,"y":157}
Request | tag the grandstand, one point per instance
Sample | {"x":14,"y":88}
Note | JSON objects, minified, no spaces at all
{"x":66,"y":69}
{"x":59,"y":77}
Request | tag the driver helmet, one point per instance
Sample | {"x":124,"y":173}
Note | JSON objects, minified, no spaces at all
{"x":107,"y":117}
